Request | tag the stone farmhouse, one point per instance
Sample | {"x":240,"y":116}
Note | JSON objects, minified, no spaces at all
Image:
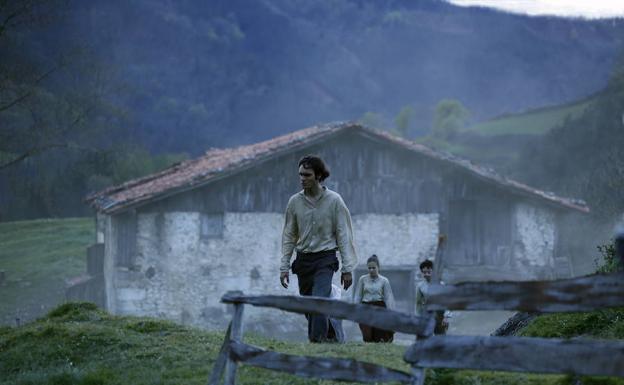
{"x":170,"y":244}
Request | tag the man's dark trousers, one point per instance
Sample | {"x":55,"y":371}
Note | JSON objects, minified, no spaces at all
{"x":314,"y":272}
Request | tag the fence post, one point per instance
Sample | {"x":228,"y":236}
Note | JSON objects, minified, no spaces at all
{"x":219,"y":366}
{"x":236,"y":334}
{"x":418,"y":376}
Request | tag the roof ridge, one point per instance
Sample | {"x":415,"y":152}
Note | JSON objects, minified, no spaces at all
{"x":215,"y":161}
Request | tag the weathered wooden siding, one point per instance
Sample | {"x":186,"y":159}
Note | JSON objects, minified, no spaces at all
{"x":126,"y":238}
{"x":376,"y":178}
{"x":371,"y":177}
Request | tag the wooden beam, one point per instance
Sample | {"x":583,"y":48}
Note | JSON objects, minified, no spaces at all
{"x":236,"y":336}
{"x":219,"y":365}
{"x":336,"y":369}
{"x":418,"y":376}
{"x":568,"y":295}
{"x":518,"y":354}
{"x":371,"y":315}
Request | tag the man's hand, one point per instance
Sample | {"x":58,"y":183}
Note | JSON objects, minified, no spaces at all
{"x":345,"y":280}
{"x":284,"y":279}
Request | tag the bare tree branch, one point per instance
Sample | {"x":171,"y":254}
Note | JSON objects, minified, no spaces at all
{"x":40,"y":150}
{"x":54,"y":145}
{"x":33,"y":11}
{"x":60,"y":64}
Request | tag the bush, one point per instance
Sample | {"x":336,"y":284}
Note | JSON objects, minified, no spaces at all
{"x":76,"y":311}
{"x":610,"y":263}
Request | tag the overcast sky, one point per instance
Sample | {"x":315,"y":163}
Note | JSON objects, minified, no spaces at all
{"x":573,"y":8}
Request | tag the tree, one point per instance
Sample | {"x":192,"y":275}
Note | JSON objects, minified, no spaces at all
{"x":583,"y":157}
{"x":403,"y":119}
{"x":48,"y":100}
{"x":55,"y":111}
{"x":449,"y":117}
{"x":372,"y":119}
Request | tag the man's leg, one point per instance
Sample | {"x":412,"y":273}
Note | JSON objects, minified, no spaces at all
{"x":305,"y":288}
{"x":321,"y":287}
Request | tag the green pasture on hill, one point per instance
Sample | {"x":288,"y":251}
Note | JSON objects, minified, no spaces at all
{"x":37,"y":257}
{"x":534,"y":122}
{"x":498,"y":142}
{"x":79,"y":344}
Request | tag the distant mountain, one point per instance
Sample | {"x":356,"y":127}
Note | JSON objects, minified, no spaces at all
{"x":197,"y":74}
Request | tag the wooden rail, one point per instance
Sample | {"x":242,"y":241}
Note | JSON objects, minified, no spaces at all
{"x":567,"y":295}
{"x":316,"y":367}
{"x":520,"y":354}
{"x":371,"y":315}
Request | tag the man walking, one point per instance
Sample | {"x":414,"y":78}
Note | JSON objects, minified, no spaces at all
{"x":317,"y":224}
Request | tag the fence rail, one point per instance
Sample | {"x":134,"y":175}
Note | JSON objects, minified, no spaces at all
{"x":371,"y":315}
{"x":316,"y":367}
{"x":566,"y":295}
{"x":521,"y":354}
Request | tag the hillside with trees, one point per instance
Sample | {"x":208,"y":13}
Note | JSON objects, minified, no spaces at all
{"x":583,"y":157}
{"x":94,"y":93}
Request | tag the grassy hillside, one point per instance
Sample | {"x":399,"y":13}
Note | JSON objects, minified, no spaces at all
{"x":79,"y":344}
{"x":533,"y":122}
{"x":498,"y":142}
{"x":37,"y":256}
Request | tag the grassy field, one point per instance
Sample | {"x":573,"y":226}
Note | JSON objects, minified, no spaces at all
{"x":534,"y":122}
{"x":81,"y":345}
{"x":37,"y":256}
{"x":498,"y":142}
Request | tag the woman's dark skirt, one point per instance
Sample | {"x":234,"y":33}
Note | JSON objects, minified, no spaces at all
{"x":372,"y":334}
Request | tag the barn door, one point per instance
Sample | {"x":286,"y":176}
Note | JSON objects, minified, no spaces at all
{"x":479,"y":232}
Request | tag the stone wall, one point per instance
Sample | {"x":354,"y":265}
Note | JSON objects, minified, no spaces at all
{"x":534,"y":241}
{"x":180,"y":274}
{"x":398,"y":240}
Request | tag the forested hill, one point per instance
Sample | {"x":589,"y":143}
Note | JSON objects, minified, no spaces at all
{"x":221,"y":72}
{"x":93,"y":93}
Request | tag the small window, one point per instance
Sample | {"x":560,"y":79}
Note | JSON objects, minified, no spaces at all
{"x":211,"y":226}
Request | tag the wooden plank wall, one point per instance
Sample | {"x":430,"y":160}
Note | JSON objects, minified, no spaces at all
{"x":372,"y":177}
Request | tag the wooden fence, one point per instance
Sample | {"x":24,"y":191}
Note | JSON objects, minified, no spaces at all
{"x":516,"y":354}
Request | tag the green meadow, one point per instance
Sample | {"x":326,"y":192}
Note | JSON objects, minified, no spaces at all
{"x":79,"y":344}
{"x":37,"y":257}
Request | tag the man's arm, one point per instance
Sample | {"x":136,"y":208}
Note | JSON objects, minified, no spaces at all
{"x":357,"y":292}
{"x":344,"y":237}
{"x":289,"y":240}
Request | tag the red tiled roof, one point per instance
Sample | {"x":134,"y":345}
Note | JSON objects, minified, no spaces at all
{"x":217,"y":162}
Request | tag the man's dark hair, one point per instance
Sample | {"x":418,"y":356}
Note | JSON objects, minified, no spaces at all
{"x":316,"y":164}
{"x":426,"y":263}
{"x":374,"y":258}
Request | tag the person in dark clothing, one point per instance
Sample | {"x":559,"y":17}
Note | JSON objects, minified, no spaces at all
{"x":317,"y":224}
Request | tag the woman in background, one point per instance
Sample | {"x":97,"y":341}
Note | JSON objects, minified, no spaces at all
{"x":374,"y":289}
